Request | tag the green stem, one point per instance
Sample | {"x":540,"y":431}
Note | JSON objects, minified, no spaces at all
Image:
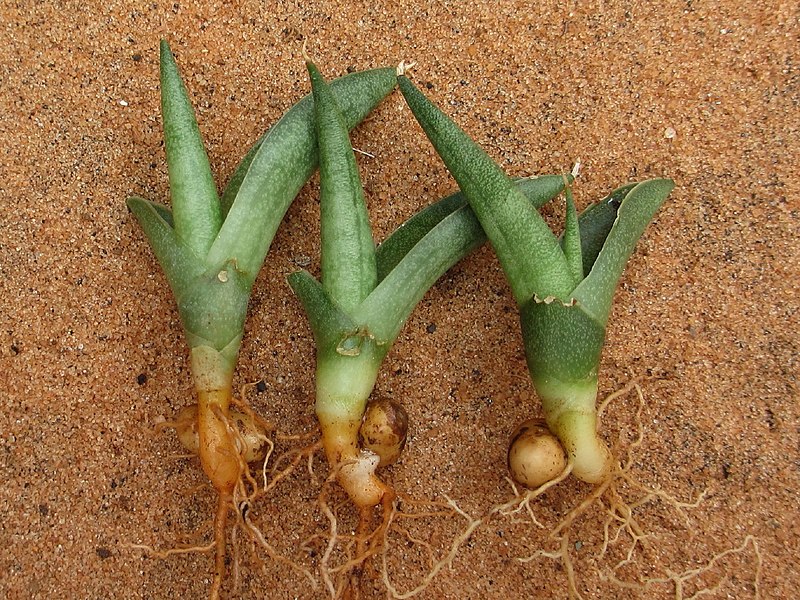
{"x":213,"y":377}
{"x":570,"y":412}
{"x":344,"y":384}
{"x":345,"y":381}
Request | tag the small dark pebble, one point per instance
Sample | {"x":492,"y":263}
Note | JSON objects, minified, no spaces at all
{"x":141,"y":378}
{"x":261,"y":387}
{"x":44,"y":510}
{"x":772,"y":422}
{"x":431,"y":328}
{"x":103,"y":553}
{"x":136,"y":57}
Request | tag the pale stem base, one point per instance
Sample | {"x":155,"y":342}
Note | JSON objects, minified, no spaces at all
{"x":571,"y":414}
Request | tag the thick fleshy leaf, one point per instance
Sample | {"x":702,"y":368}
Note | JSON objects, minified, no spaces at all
{"x":347,"y":248}
{"x":596,"y":292}
{"x":386,"y":309}
{"x":538,"y":190}
{"x":195,"y":205}
{"x":596,"y":221}
{"x":179,"y":263}
{"x":286,"y":158}
{"x":329,"y":323}
{"x":349,"y":91}
{"x":571,"y":241}
{"x":528,"y":251}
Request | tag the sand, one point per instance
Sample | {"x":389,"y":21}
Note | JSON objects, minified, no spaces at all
{"x":92,"y":349}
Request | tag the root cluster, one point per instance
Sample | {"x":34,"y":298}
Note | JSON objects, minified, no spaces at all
{"x":619,"y":501}
{"x":359,"y":550}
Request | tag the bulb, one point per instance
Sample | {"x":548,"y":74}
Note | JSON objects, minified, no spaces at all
{"x":253,"y":435}
{"x":535,"y":456}
{"x":384,"y":430}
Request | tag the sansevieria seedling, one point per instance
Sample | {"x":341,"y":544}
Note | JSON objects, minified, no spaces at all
{"x":563,"y":287}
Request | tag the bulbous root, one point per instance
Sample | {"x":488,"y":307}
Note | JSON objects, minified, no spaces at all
{"x":354,"y":469}
{"x":535,"y":456}
{"x":620,"y":521}
{"x":357,"y":449}
{"x":384,"y":430}
{"x":226,"y":439}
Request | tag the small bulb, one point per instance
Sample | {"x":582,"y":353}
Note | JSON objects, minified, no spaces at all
{"x":384,"y":430}
{"x":535,"y":456}
{"x":186,"y":428}
{"x":253,"y":435}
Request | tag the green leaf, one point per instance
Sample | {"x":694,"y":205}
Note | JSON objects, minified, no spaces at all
{"x":195,"y":205}
{"x":439,"y":236}
{"x":235,"y":182}
{"x":538,"y":190}
{"x":596,"y":221}
{"x":347,"y":248}
{"x":179,"y":263}
{"x":528,"y":251}
{"x":386,"y":309}
{"x":596,"y":292}
{"x":571,"y":242}
{"x":329,"y":323}
{"x":285,"y":159}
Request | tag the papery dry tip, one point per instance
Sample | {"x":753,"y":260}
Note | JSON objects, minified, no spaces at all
{"x":404,"y":67}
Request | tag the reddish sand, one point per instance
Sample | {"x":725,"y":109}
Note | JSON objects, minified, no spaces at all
{"x":93,"y":355}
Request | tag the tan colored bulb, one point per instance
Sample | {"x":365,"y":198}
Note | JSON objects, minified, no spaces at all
{"x":384,"y":430}
{"x":253,"y":435}
{"x":535,"y":456}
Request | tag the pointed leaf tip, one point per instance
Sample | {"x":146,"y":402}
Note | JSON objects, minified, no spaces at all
{"x":637,"y":209}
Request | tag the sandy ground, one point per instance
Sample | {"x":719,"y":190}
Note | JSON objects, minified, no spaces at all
{"x":93,"y":355}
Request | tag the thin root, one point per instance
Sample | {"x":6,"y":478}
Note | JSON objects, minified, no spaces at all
{"x":342,"y":579}
{"x":678,"y":580}
{"x":446,"y":561}
{"x":171,"y":551}
{"x":244,"y":494}
{"x":620,"y":522}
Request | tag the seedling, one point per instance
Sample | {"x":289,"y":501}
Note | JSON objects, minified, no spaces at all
{"x":365,"y":296}
{"x":563,"y":291}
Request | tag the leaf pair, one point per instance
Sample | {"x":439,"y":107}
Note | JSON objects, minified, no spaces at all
{"x":536,"y":264}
